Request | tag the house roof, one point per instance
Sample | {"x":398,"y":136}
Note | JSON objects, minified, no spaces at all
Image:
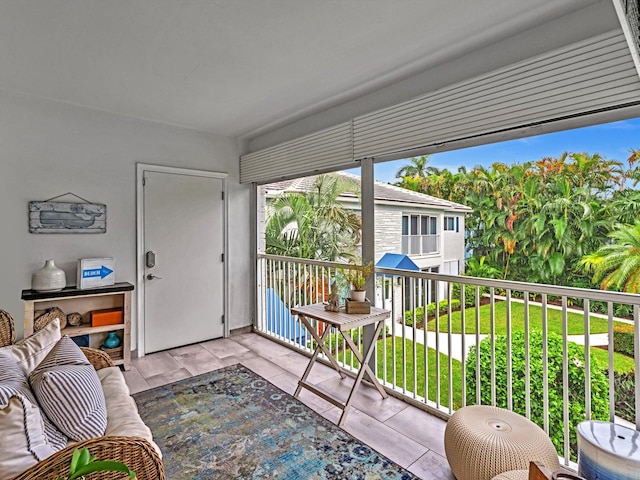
{"x":383,"y":192}
{"x":397,"y":260}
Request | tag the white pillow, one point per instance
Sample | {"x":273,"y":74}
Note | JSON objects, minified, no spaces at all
{"x":23,"y":439}
{"x":28,"y":353}
{"x":69,"y":392}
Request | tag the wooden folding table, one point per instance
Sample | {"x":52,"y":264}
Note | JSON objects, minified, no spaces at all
{"x":344,"y":323}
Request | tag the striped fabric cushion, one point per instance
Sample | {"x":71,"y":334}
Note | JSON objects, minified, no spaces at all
{"x":13,"y":382}
{"x":69,"y":392}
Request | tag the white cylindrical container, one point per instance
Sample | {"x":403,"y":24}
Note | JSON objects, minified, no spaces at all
{"x":608,"y":451}
{"x":358,"y":295}
{"x":49,"y":278}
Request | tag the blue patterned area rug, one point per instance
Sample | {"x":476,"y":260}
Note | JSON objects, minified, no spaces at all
{"x":233,"y":424}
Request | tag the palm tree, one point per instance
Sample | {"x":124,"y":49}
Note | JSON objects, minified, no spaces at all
{"x":618,"y":264}
{"x":313,"y":224}
{"x":417,"y":168}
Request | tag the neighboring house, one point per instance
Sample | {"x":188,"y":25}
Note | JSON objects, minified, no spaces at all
{"x":426,"y":229}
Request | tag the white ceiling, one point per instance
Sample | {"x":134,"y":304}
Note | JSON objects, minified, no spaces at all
{"x":240,"y":67}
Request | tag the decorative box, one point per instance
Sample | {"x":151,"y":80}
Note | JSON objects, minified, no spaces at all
{"x":107,"y":316}
{"x":352,"y":306}
{"x":95,"y":272}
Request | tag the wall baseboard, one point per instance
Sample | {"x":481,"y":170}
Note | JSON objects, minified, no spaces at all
{"x":241,"y":331}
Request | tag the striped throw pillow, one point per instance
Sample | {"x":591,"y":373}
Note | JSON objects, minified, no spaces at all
{"x":28,"y":353}
{"x":69,"y":392}
{"x":14,"y":383}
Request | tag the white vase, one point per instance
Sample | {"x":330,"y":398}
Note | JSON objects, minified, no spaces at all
{"x":49,"y":278}
{"x":357,"y":295}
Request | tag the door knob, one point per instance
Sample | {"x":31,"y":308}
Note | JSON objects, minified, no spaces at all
{"x":151,"y":276}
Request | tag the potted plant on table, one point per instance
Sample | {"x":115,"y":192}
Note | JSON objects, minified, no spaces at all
{"x":357,"y":276}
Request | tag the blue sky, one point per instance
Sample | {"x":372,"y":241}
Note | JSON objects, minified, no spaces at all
{"x":612,"y":140}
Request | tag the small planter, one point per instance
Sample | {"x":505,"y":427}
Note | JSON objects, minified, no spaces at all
{"x":351,"y":306}
{"x":357,"y":295}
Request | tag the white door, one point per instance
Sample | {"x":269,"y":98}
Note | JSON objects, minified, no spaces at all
{"x":183,"y":259}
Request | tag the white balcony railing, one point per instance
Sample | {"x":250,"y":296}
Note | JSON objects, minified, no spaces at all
{"x":541,"y":350}
{"x":420,"y":244}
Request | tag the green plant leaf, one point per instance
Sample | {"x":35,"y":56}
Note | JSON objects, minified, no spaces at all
{"x":556,"y":263}
{"x":84,"y":459}
{"x":74,"y":461}
{"x":102,"y":466}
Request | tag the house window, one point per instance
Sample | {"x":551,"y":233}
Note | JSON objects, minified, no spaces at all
{"x":420,"y":234}
{"x":451,"y":224}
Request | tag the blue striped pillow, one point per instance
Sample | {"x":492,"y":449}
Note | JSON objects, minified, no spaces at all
{"x":13,"y":382}
{"x":69,"y":391}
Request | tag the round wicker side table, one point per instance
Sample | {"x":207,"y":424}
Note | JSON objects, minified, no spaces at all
{"x":483,"y":441}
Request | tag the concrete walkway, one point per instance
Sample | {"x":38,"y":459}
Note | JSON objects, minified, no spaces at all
{"x":442,"y":339}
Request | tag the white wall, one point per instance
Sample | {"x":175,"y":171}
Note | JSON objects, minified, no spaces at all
{"x":452,"y":241}
{"x":49,"y":148}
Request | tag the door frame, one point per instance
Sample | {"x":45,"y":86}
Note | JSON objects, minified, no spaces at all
{"x":140,"y":267}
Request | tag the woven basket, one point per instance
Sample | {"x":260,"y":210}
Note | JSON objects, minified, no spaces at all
{"x":42,"y":318}
{"x":7,"y":330}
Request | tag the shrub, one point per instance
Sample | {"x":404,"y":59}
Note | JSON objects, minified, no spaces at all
{"x":623,"y":339}
{"x":599,"y":384}
{"x":469,"y":293}
{"x":624,"y":387}
{"x":431,"y":311}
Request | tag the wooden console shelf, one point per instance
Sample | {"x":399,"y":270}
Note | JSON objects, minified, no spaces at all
{"x":72,"y":299}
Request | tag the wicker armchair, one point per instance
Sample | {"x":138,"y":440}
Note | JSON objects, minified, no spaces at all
{"x":137,"y":453}
{"x":7,"y":332}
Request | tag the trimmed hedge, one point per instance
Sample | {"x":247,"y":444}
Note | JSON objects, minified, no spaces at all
{"x":469,"y":293}
{"x":431,"y":311}
{"x":623,"y":339}
{"x":599,"y":383}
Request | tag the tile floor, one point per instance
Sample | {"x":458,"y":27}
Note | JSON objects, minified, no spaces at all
{"x":405,"y":434}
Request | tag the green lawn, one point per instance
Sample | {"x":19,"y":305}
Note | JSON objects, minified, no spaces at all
{"x":575,"y":323}
{"x":410,"y":361}
{"x":554,"y":320}
{"x":419,"y":363}
{"x":621,"y":363}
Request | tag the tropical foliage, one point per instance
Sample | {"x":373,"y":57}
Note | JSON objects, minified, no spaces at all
{"x":536,"y":221}
{"x":313,"y":223}
{"x":617,"y":265}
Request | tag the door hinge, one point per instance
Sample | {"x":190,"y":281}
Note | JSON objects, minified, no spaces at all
{"x":223,"y":195}
{"x":223,"y":319}
{"x":144,"y":181}
{"x":222,"y":257}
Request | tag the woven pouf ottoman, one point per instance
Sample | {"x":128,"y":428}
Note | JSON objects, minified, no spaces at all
{"x":513,"y":475}
{"x":482,"y":441}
